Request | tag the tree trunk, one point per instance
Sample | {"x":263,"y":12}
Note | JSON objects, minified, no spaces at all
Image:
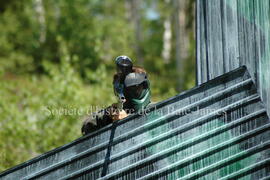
{"x":181,"y":41}
{"x":136,"y":19}
{"x":41,"y":19}
{"x":167,"y":37}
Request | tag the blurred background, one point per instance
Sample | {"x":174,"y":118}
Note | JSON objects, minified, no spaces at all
{"x":57,"y":60}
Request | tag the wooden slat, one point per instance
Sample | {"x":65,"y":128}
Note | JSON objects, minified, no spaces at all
{"x":230,"y":34}
{"x":246,"y":35}
{"x":262,"y":34}
{"x":201,"y":43}
{"x":214,"y":38}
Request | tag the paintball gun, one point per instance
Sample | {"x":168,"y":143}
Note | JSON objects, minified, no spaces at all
{"x":119,"y":92}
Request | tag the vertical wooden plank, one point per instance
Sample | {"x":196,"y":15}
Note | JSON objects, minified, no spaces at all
{"x":246,"y":35}
{"x":262,"y":34}
{"x":230,"y":34}
{"x":201,"y":43}
{"x":259,"y":38}
{"x":214,"y":41}
{"x":198,"y":41}
{"x":266,"y":60}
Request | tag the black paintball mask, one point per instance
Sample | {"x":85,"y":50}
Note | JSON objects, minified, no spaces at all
{"x":137,"y":90}
{"x":124,"y":65}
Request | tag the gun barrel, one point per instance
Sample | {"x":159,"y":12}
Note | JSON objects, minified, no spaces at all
{"x":122,"y":98}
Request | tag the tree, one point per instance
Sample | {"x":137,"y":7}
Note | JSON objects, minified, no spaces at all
{"x":182,"y":39}
{"x":167,"y":38}
{"x":134,"y":6}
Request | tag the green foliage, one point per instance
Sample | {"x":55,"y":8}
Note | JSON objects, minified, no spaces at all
{"x":56,"y":66}
{"x":41,"y":113}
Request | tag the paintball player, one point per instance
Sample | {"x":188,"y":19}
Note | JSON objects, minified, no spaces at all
{"x":131,"y":86}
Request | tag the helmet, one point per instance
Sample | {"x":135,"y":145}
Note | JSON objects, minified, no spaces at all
{"x":124,"y":65}
{"x":137,"y":90}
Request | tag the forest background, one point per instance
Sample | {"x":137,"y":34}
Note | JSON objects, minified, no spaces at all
{"x":57,"y":62}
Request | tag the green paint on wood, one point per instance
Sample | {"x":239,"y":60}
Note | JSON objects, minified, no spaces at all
{"x":188,"y":137}
{"x":245,"y":27}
